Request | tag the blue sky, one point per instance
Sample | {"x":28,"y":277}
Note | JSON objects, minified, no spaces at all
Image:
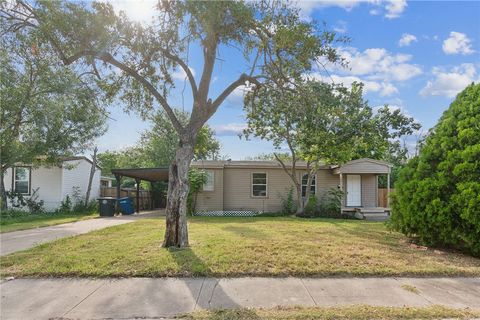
{"x":414,"y":55}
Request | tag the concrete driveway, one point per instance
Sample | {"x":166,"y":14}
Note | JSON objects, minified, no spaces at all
{"x":25,"y":239}
{"x":146,"y":298}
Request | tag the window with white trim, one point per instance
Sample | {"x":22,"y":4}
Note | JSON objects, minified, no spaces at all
{"x":313,"y":184}
{"x":210,"y":181}
{"x":259,"y":184}
{"x":21,"y":180}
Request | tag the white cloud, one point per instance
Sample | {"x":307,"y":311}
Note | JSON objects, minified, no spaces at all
{"x":390,"y":8}
{"x":378,"y":69}
{"x":379,"y":64}
{"x":395,"y":8}
{"x":406,"y":40}
{"x":180,"y":74}
{"x":229,"y":129}
{"x":457,"y":43}
{"x":382,"y":88}
{"x":450,"y":82}
{"x":340,"y":27}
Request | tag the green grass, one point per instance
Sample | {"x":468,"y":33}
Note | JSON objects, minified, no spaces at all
{"x":23,"y":222}
{"x":359,"y":312}
{"x":240,"y":247}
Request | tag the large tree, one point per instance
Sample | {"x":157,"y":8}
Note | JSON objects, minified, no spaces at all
{"x":276,"y":45}
{"x":322,"y":123}
{"x":47,"y":111}
{"x":437,"y":196}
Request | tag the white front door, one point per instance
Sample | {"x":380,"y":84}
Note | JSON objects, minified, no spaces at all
{"x":354,"y":190}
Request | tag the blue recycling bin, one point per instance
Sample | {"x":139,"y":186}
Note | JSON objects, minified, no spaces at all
{"x":126,"y":205}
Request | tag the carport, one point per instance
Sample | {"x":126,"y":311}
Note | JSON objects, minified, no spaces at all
{"x":139,"y":174}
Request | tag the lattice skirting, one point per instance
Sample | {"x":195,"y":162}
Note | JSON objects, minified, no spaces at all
{"x":233,"y":213}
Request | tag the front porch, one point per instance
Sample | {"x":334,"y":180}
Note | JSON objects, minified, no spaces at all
{"x":359,"y":181}
{"x":368,"y":213}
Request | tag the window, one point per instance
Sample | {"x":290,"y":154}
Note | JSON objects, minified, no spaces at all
{"x":21,"y":180}
{"x":104,"y":183}
{"x":209,"y":183}
{"x":259,"y":184}
{"x":313,"y":185}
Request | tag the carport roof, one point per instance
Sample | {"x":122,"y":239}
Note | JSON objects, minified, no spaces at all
{"x":147,"y":174}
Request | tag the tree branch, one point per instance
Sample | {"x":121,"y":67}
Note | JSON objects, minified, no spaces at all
{"x":185,"y":68}
{"x":234,"y":85}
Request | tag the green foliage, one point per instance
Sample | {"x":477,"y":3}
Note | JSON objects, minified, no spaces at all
{"x":437,"y":197}
{"x":66,"y":204}
{"x":196,"y":180}
{"x":331,"y":203}
{"x":34,"y":205}
{"x":157,"y":146}
{"x":311,"y":208}
{"x":288,"y":203}
{"x":15,"y":199}
{"x":19,"y":201}
{"x":49,"y":111}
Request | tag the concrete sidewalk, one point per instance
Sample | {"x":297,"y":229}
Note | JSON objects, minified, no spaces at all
{"x":164,"y":297}
{"x":25,"y":239}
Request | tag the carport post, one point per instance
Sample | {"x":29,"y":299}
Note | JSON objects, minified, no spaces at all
{"x":119,"y":181}
{"x":137,"y":182}
{"x":388,"y":190}
{"x":151,"y":195}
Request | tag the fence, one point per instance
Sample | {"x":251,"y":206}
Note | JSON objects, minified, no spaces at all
{"x":382,"y":197}
{"x":145,"y":199}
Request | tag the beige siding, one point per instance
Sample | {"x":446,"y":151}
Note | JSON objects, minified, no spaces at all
{"x":212,"y":200}
{"x":238,"y":190}
{"x":369,"y":190}
{"x":238,"y":184}
{"x":326,"y":180}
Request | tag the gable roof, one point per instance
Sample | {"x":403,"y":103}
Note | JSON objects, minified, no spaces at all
{"x":74,"y":158}
{"x":364,"y":165}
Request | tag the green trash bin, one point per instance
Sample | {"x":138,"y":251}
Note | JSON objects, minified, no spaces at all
{"x":106,"y":206}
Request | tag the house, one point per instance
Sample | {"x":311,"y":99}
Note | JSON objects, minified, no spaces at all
{"x":106,"y":182}
{"x":52,"y":184}
{"x":259,"y":186}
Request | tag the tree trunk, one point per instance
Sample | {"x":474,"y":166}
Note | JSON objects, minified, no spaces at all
{"x":92,"y":173}
{"x":300,"y":203}
{"x":3,"y":194}
{"x":176,"y":233}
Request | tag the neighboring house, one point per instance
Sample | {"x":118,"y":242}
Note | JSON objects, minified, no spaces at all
{"x":54,"y":183}
{"x":259,"y":186}
{"x":106,"y":182}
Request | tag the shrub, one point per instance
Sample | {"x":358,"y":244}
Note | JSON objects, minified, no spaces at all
{"x":288,"y":203}
{"x":33,"y":204}
{"x":65,"y":205}
{"x":437,"y":196}
{"x":196,"y":180}
{"x":331,"y":204}
{"x":311,"y":208}
{"x":15,"y":199}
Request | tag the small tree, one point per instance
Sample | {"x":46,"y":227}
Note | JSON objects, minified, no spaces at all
{"x":47,"y":111}
{"x":437,"y":194}
{"x":322,"y":123}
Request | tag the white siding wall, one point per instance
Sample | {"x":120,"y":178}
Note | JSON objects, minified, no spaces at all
{"x":78,"y":177}
{"x":48,"y":182}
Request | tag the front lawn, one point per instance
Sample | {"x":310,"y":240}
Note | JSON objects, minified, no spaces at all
{"x":29,"y":221}
{"x":327,"y":313}
{"x":240,"y":247}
